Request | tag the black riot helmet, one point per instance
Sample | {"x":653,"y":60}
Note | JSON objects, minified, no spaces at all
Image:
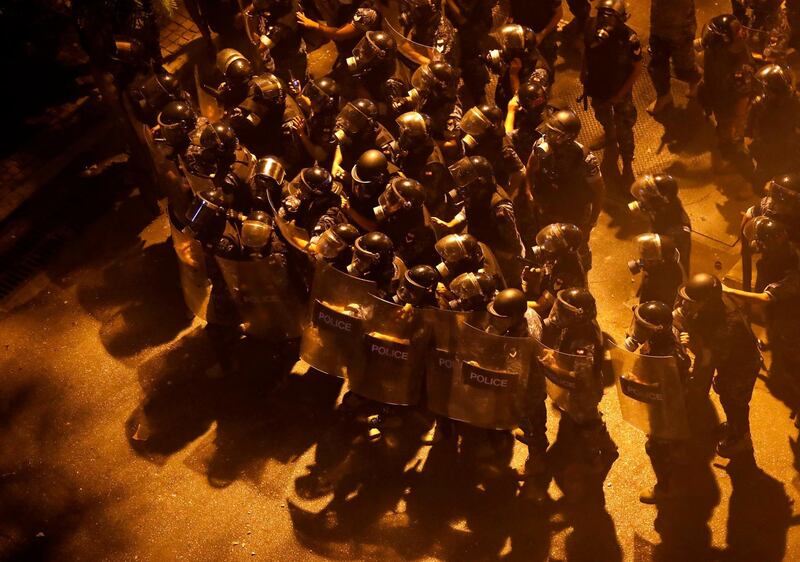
{"x":218,"y":141}
{"x":721,"y":31}
{"x":701,"y":292}
{"x":653,"y":193}
{"x":555,"y":240}
{"x":471,"y":170}
{"x":175,"y":121}
{"x":268,"y":178}
{"x":562,"y":126}
{"x":509,"y":303}
{"x":373,"y":253}
{"x":414,"y":130}
{"x":775,"y":80}
{"x":472,"y":291}
{"x":402,"y":194}
{"x":374,"y":48}
{"x":206,"y":216}
{"x":256,"y":232}
{"x":533,"y":96}
{"x":765,"y":234}
{"x":651,"y":320}
{"x":324,"y":93}
{"x":459,"y":253}
{"x":234,"y":66}
{"x":782,"y":195}
{"x":313,"y":182}
{"x":654,"y":250}
{"x":157,"y":91}
{"x":516,"y":41}
{"x":573,"y":307}
{"x":618,"y":8}
{"x":437,"y":79}
{"x":268,"y":88}
{"x":355,"y":119}
{"x":418,"y":286}
{"x":481,"y":122}
{"x":370,"y":174}
{"x":336,"y":241}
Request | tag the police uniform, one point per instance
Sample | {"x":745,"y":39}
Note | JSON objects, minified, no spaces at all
{"x":560,"y":187}
{"x":782,"y":314}
{"x":775,"y":130}
{"x":661,"y":282}
{"x":536,"y":15}
{"x":287,"y":57}
{"x":672,"y":30}
{"x":727,"y":82}
{"x":608,"y":65}
{"x":674,"y":223}
{"x":504,"y":159}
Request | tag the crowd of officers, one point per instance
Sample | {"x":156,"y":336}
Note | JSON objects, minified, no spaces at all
{"x":397,"y":168}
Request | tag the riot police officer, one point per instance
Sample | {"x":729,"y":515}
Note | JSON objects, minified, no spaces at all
{"x":370,"y":175}
{"x":781,"y":202}
{"x":335,"y":245}
{"x":611,"y":64}
{"x":462,"y":253}
{"x":274,"y":31}
{"x":424,"y":23}
{"x":526,"y":113}
{"x":400,"y":214}
{"x":770,"y":239}
{"x":351,"y":22}
{"x":155,"y":93}
{"x":471,"y":291}
{"x":237,"y":71}
{"x":418,"y":156}
{"x":267,"y":184}
{"x":356,"y":131}
{"x":565,"y":178}
{"x":418,"y":287}
{"x":312,"y":201}
{"x":514,"y":62}
{"x":722,"y":342}
{"x":657,"y":197}
{"x":660,"y":267}
{"x":373,"y":62}
{"x":725,"y":89}
{"x":215,"y":158}
{"x":473,"y":21}
{"x":435,"y":93}
{"x":488,"y":214}
{"x":542,"y":18}
{"x":767,"y":26}
{"x":773,"y":124}
{"x":672,"y":29}
{"x":571,"y":328}
{"x":484,"y":135}
{"x":319,"y":101}
{"x":557,"y":264}
{"x":175,"y":121}
{"x":374,"y":260}
{"x":652,"y":333}
{"x":265,"y":119}
{"x":510,"y":315}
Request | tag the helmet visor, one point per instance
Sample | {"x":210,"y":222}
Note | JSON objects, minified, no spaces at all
{"x":475,"y":123}
{"x":463,"y":172}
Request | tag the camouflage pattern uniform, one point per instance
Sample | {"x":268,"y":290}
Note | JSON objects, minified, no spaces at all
{"x":672,"y":31}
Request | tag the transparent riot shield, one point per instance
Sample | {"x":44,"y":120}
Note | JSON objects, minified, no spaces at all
{"x":405,"y":46}
{"x":569,"y":381}
{"x":298,"y":238}
{"x":197,"y":183}
{"x":168,"y":176}
{"x":337,"y":311}
{"x":651,"y":394}
{"x":489,"y":386}
{"x":441,"y":355}
{"x":267,"y":303}
{"x":195,"y":284}
{"x":390,"y":367}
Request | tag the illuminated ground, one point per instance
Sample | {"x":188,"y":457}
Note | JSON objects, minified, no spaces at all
{"x":128,"y":432}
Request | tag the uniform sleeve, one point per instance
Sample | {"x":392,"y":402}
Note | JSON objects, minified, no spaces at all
{"x":365,"y":19}
{"x":511,"y":159}
{"x":635,"y":47}
{"x":591,"y":167}
{"x":785,"y":289}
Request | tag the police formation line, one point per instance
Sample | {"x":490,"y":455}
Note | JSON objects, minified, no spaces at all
{"x":429,"y":242}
